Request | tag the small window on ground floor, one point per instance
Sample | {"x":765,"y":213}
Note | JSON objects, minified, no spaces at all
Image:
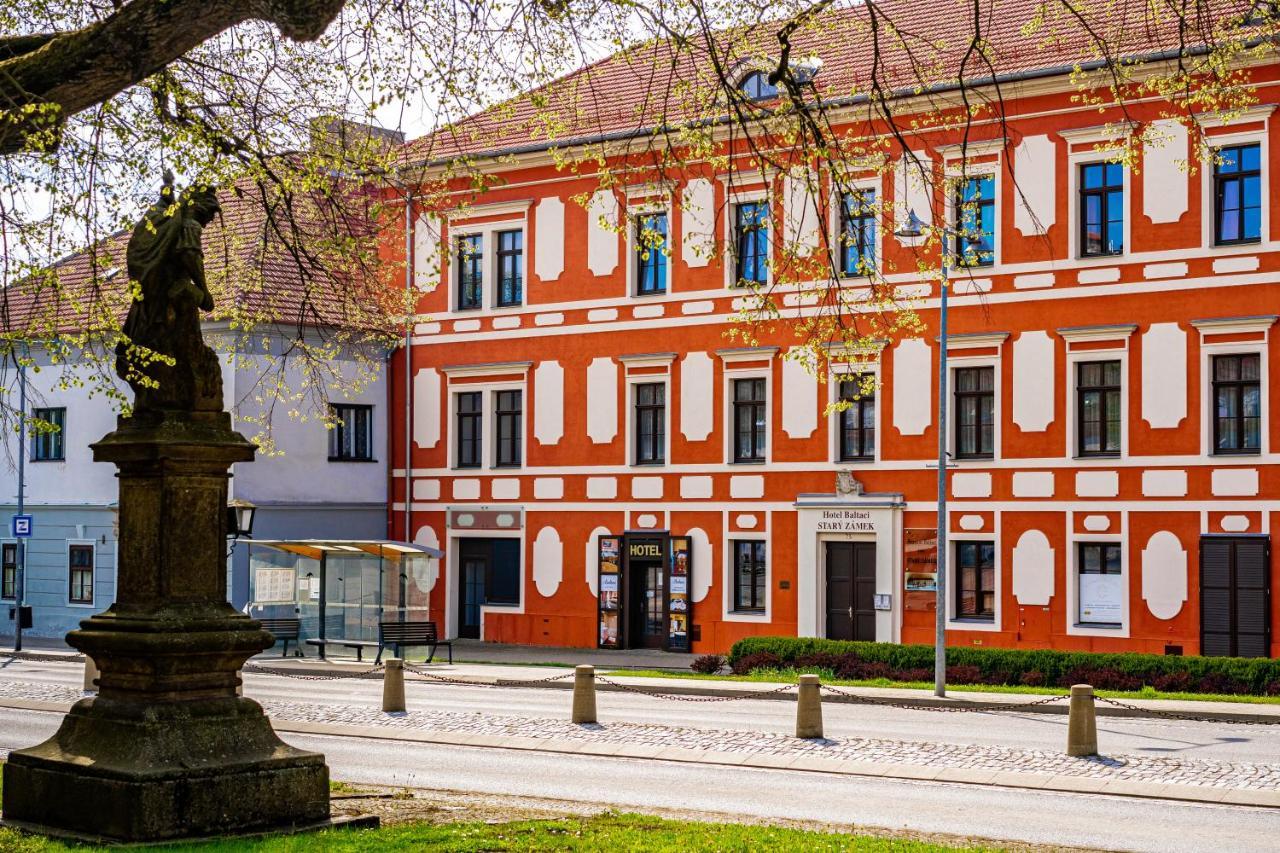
{"x":9,"y":571}
{"x":976,"y":573}
{"x":749,"y":588}
{"x":80,"y":563}
{"x":1099,"y":585}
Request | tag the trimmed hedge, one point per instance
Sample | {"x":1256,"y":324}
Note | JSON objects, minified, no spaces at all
{"x":1032,"y":667}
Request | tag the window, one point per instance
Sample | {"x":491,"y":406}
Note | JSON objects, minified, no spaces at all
{"x":470,"y":271}
{"x":751,"y":230}
{"x":1098,"y":408}
{"x":650,"y":423}
{"x":757,"y":87}
{"x":9,"y":571}
{"x":1237,"y":400}
{"x":497,"y":575}
{"x":507,"y":426}
{"x":1101,"y":209}
{"x":857,"y":423}
{"x":49,"y":441}
{"x":470,"y":429}
{"x":1099,"y":586}
{"x":750,"y":427}
{"x":975,"y":412}
{"x":80,"y":563}
{"x":976,"y":591}
{"x":651,"y":259}
{"x":351,"y":439}
{"x":858,"y":233}
{"x":1237,"y":195}
{"x":510,"y":268}
{"x":748,"y":576}
{"x":976,"y":218}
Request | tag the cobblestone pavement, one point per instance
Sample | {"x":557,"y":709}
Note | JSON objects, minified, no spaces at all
{"x":1183,"y":771}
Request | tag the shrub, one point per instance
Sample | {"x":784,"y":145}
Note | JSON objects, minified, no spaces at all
{"x":1032,"y":678}
{"x":707,"y":664}
{"x":760,"y":660}
{"x":964,"y":674}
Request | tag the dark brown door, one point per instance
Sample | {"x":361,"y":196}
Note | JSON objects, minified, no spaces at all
{"x":851,"y":590}
{"x":1235,"y":596}
{"x":647,"y":589}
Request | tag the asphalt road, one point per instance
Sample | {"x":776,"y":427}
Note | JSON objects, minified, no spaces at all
{"x":1115,"y":823}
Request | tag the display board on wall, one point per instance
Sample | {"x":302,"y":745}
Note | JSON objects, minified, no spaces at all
{"x":920,"y":568}
{"x":273,"y":586}
{"x":610,"y":592}
{"x":679,"y":604}
{"x":1101,"y":598}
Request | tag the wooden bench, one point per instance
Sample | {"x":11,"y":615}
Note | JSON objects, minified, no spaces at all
{"x":358,"y":645}
{"x":284,"y":630}
{"x":403,"y":635}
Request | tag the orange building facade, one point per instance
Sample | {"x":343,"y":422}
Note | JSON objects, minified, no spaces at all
{"x":604,"y":465}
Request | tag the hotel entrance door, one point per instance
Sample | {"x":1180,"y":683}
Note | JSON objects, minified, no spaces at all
{"x":851,"y":590}
{"x":647,"y":593}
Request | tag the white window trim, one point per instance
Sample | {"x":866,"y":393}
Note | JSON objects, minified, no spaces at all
{"x":1119,"y":353}
{"x":730,"y":433}
{"x":1207,"y":351}
{"x":648,"y":379}
{"x":1074,"y":627}
{"x":840,"y":371}
{"x":488,"y":422}
{"x":954,"y":172}
{"x":489,"y":283}
{"x":956,"y":362}
{"x":14,"y":598}
{"x":1074,"y":162}
{"x":1207,"y":206}
{"x":634,"y":212}
{"x":731,"y":237}
{"x":729,"y":572}
{"x":836,"y":194}
{"x":954,"y":624}
{"x":452,"y":576}
{"x":66,"y":586}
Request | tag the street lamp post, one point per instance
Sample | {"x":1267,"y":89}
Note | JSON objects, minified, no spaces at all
{"x":911,"y":229}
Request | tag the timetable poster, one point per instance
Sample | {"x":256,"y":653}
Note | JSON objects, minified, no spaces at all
{"x":610,"y":601}
{"x":678,"y":602}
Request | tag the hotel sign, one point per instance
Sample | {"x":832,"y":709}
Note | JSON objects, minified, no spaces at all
{"x":847,"y":521}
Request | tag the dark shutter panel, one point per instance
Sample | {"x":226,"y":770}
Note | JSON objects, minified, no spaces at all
{"x":1215,"y":597}
{"x":1252,"y":610}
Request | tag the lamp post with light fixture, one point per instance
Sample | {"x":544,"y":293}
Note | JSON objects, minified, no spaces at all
{"x":911,"y":229}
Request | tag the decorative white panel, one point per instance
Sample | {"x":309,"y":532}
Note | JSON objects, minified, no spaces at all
{"x":602,"y":488}
{"x":913,"y":182}
{"x":1165,"y":187}
{"x":548,"y":246}
{"x":552,"y":318}
{"x":646,"y":487}
{"x":1235,"y":523}
{"x":700,"y":576}
{"x":695,"y":487}
{"x":697,"y":408}
{"x":602,"y":315}
{"x":647,"y":521}
{"x":912,"y":386}
{"x":1097,"y":484}
{"x":800,"y":220}
{"x":548,"y":488}
{"x":1098,"y":275}
{"x":799,"y":399}
{"x":426,"y":490}
{"x":466,"y":325}
{"x":1033,"y":381}
{"x":1034,"y":280}
{"x":1033,"y":169}
{"x":602,"y":400}
{"x":1170,"y":270}
{"x":425,"y":572}
{"x":426,"y":407}
{"x":971,"y":484}
{"x":647,"y":312}
{"x":602,"y":234}
{"x":592,"y":561}
{"x":505,"y":489}
{"x":697,"y":222}
{"x":1164,"y":575}
{"x":509,"y":321}
{"x":1164,"y":484}
{"x":1033,"y":569}
{"x":548,"y":402}
{"x":426,"y":252}
{"x":1033,"y":484}
{"x":1096,"y":523}
{"x":746,"y":486}
{"x":1234,"y":482}
{"x":466,"y":490}
{"x":1164,"y":375}
{"x":1239,"y":263}
{"x":548,"y":561}
{"x":972,"y":522}
{"x":702,"y":306}
{"x":746,"y":522}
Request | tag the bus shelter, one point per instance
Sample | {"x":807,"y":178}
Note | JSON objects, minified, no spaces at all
{"x":341,"y":589}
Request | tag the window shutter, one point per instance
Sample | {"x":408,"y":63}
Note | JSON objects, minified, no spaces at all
{"x":1251,"y":598}
{"x":1215,"y":597}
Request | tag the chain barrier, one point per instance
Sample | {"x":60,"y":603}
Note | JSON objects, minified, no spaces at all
{"x":463,"y":682}
{"x":859,"y":699}
{"x":37,"y":657}
{"x":1190,"y":718}
{"x":372,"y":672}
{"x":678,"y":697}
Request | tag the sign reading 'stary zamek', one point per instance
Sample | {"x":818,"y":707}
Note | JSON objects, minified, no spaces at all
{"x":846,"y":521}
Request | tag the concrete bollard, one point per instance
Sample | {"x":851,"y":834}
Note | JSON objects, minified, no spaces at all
{"x":1082,"y":722}
{"x":393,"y":685}
{"x":809,"y":708}
{"x":584,"y":694}
{"x":90,"y":675}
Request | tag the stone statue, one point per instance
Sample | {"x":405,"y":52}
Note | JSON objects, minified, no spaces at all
{"x":164,"y":358}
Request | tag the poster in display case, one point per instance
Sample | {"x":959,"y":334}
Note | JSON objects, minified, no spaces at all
{"x":679,"y":605}
{"x":610,"y":584}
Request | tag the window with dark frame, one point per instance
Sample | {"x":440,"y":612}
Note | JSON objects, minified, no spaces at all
{"x":1237,"y":401}
{"x":976,"y":575}
{"x":508,"y":428}
{"x":1095,"y":558}
{"x":470,"y":272}
{"x":975,"y":213}
{"x":650,"y":423}
{"x":751,"y":232}
{"x":858,"y":233}
{"x":1101,"y":209}
{"x":351,"y":438}
{"x":49,"y":435}
{"x":510,"y":268}
{"x":469,"y":420}
{"x":857,"y":422}
{"x":749,"y":587}
{"x":975,"y":400}
{"x":80,"y":574}
{"x":757,"y":87}
{"x":651,"y":259}
{"x":9,"y":571}
{"x":1098,"y":410}
{"x":1237,"y":195}
{"x":750,"y":420}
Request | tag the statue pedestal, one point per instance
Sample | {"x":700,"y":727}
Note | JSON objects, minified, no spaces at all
{"x":166,"y":749}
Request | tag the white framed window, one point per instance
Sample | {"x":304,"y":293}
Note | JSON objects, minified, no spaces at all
{"x":1097,"y":597}
{"x":1098,"y":402}
{"x":82,"y":560}
{"x":649,"y":252}
{"x":974,"y":404}
{"x":747,"y":576}
{"x":8,"y":570}
{"x":748,"y":244}
{"x":1234,"y":180}
{"x":973,"y":204}
{"x":488,"y":265}
{"x":855,"y":432}
{"x":487,"y":424}
{"x":974,"y":582}
{"x":856,"y":227}
{"x":1235,"y":387}
{"x":648,"y":420}
{"x":748,"y":419}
